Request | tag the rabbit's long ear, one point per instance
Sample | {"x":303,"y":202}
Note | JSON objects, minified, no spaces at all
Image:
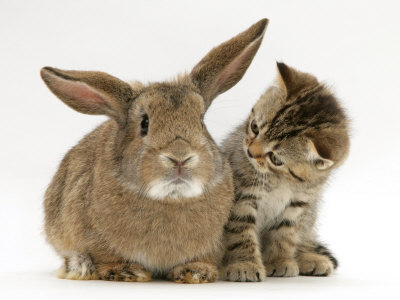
{"x":226,"y":64}
{"x":94,"y":93}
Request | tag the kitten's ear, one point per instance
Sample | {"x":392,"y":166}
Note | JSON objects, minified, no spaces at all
{"x":319,"y":154}
{"x":94,"y":93}
{"x":292,"y":81}
{"x":226,"y":64}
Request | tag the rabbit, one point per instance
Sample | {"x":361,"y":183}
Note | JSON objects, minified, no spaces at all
{"x":147,"y":193}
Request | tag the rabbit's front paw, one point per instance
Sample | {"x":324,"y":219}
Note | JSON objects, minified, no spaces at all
{"x":78,"y":267}
{"x":123,"y":272}
{"x":282,"y":268}
{"x":244,"y":271}
{"x":194,"y":272}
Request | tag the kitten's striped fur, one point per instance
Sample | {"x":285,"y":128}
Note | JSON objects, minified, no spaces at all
{"x":281,"y":157}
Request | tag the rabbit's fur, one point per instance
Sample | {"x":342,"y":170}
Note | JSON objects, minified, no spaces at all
{"x":147,"y":192}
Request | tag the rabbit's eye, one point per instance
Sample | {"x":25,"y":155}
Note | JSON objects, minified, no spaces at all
{"x":144,"y":125}
{"x":254,"y":127}
{"x":274,"y":159}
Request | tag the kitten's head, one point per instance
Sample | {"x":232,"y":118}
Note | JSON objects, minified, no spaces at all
{"x":297,"y":129}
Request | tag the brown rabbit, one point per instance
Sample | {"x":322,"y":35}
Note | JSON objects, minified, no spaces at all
{"x":147,"y":192}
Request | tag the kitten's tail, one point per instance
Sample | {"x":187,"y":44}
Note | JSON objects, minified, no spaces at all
{"x":323,"y":250}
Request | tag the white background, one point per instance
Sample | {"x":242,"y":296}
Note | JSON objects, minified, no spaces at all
{"x":352,"y":45}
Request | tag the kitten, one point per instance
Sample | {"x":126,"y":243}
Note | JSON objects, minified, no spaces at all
{"x":297,"y":133}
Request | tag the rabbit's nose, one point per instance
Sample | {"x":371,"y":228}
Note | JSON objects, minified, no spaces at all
{"x":179,"y":163}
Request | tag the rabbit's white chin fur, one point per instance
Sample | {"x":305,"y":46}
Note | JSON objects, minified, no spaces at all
{"x":160,"y":189}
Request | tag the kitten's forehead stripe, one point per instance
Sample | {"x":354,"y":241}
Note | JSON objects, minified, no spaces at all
{"x":289,"y":134}
{"x":312,"y":110}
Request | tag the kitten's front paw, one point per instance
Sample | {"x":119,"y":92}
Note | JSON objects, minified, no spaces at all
{"x":282,"y":268}
{"x":195,"y":272}
{"x":244,"y":271}
{"x":312,"y":264}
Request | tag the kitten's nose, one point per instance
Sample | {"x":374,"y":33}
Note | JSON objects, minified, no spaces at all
{"x":255,"y":151}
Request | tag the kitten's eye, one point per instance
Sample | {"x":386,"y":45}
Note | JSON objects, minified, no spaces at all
{"x":144,"y":125}
{"x":254,"y":127}
{"x":274,"y":159}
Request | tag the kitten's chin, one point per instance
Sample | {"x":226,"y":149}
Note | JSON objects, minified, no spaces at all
{"x":259,"y":169}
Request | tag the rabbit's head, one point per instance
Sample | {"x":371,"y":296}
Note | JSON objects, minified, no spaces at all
{"x":162,"y":147}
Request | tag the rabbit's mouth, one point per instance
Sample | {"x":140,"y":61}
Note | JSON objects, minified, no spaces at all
{"x":176,"y":188}
{"x":178,"y":181}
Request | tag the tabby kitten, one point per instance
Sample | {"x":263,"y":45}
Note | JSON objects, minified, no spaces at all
{"x":296,"y":134}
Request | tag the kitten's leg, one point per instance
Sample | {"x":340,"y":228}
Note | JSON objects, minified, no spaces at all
{"x":280,"y":250}
{"x":243,"y":260}
{"x":122,"y":271}
{"x":316,"y":261}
